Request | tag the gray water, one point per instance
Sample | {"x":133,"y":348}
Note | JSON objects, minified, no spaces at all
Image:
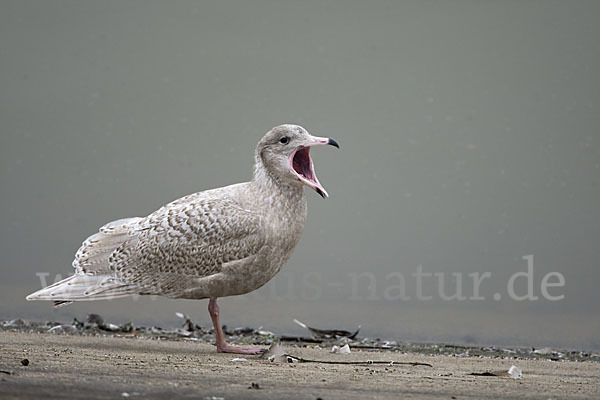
{"x":469,"y":135}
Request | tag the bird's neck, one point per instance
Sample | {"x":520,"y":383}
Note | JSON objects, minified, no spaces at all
{"x":278,"y":192}
{"x":285,"y":207}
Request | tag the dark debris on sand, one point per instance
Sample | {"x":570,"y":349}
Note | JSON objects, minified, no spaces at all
{"x":95,"y":325}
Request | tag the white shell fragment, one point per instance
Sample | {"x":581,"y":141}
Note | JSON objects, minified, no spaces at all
{"x":345,"y":349}
{"x":276,"y":353}
{"x":515,"y":372}
{"x":239,"y":360}
{"x":112,"y":327}
{"x":63,"y":329}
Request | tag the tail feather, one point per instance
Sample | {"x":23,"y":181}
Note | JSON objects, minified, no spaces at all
{"x":81,"y":287}
{"x":93,"y":279}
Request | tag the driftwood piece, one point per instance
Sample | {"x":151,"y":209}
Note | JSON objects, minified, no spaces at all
{"x":367,"y":362}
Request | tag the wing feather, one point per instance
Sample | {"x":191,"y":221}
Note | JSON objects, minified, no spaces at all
{"x":187,"y":240}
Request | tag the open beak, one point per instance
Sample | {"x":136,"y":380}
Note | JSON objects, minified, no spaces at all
{"x":302,"y":165}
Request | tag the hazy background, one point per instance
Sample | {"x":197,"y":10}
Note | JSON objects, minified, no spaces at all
{"x":469,"y":135}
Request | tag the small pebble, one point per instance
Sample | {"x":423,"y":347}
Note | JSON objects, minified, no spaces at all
{"x":25,"y":362}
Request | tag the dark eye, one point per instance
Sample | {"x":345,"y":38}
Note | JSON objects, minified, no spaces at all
{"x":284,"y":140}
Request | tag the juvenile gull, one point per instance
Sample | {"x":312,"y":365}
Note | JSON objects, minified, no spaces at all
{"x":220,"y":242}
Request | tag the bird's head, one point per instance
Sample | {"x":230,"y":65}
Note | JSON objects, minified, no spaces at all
{"x":285,"y":153}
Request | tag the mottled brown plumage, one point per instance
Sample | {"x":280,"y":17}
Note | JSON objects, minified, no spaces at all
{"x":220,"y":242}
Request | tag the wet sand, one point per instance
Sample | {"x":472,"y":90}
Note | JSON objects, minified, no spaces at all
{"x":72,"y":367}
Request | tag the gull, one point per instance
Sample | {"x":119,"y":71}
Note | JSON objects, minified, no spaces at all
{"x":220,"y":242}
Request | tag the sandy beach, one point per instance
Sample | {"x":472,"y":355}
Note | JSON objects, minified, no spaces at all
{"x":156,"y":156}
{"x":71,"y":367}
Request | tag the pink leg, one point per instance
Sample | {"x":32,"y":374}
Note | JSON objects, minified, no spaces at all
{"x":222,"y":346}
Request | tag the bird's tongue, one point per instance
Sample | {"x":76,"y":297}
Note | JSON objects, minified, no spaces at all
{"x":303,"y":167}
